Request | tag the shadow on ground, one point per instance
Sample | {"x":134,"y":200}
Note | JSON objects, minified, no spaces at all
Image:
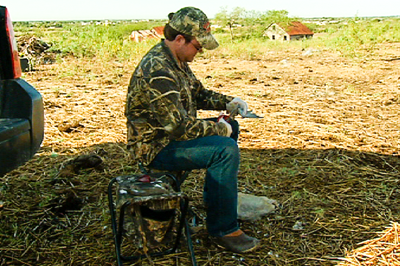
{"x":332,"y":200}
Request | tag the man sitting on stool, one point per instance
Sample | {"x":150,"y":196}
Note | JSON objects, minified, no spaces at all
{"x":164,"y":132}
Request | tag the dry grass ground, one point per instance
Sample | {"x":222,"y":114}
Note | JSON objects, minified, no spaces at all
{"x":327,"y":149}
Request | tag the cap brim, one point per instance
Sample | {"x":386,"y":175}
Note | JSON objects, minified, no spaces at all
{"x":207,"y":41}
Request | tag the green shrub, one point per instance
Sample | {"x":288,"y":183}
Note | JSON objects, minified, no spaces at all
{"x":356,"y":37}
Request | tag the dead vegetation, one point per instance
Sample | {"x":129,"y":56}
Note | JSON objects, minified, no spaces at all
{"x":36,"y":50}
{"x":383,"y":250}
{"x":327,"y":149}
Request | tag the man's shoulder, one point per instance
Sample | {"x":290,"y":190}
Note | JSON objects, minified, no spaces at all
{"x":157,"y":58}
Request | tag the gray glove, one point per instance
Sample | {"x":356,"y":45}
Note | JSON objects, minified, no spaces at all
{"x":237,"y":105}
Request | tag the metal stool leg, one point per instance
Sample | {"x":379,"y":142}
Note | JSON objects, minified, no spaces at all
{"x":181,"y":177}
{"x":117,"y":237}
{"x":190,"y":243}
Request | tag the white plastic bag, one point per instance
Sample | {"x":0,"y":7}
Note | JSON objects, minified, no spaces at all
{"x":252,"y":207}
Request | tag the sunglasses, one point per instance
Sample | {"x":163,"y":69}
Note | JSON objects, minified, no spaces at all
{"x":198,"y":48}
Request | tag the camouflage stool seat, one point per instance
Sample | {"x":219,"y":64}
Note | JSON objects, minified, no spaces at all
{"x":148,"y":215}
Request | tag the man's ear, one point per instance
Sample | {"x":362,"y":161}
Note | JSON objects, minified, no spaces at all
{"x":180,"y":39}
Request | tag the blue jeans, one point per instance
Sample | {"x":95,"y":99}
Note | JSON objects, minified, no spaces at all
{"x":220,"y":156}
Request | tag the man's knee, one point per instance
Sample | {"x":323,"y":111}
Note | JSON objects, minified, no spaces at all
{"x":229,"y":147}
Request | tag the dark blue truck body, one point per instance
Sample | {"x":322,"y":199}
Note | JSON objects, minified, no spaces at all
{"x":21,"y":106}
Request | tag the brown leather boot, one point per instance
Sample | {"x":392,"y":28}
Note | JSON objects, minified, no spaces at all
{"x":239,"y":244}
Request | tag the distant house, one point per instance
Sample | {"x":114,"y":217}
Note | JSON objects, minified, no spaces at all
{"x":142,"y":35}
{"x":288,"y":31}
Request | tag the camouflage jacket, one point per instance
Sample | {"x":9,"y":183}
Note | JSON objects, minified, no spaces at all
{"x":162,"y":103}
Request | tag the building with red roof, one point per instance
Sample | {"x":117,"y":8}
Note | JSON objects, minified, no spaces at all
{"x":288,"y":31}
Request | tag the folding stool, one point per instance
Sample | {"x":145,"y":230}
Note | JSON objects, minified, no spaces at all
{"x":127,"y":201}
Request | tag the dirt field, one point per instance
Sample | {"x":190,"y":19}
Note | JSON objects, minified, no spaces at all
{"x":327,"y":149}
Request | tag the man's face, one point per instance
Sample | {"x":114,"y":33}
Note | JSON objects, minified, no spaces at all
{"x":189,"y":50}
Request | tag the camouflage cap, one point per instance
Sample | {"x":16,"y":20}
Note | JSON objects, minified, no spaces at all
{"x":192,"y":21}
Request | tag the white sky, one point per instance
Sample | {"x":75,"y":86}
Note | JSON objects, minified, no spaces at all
{"x":31,"y":10}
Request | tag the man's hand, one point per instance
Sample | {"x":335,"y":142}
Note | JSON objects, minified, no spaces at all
{"x":240,"y":104}
{"x":221,"y":119}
